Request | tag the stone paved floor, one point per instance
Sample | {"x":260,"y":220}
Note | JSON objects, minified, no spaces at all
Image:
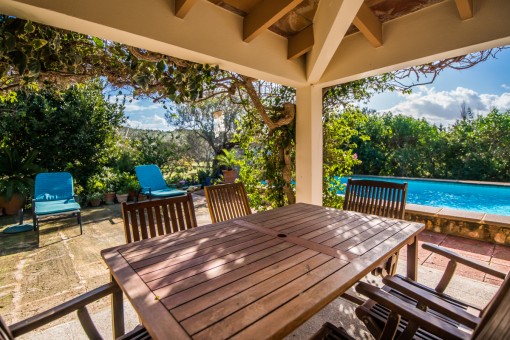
{"x":39,"y":270}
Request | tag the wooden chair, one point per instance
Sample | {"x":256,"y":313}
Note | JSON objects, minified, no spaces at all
{"x":407,"y":309}
{"x":227,"y":201}
{"x":148,"y":219}
{"x":386,"y":199}
{"x":380,"y":198}
{"x":77,"y":304}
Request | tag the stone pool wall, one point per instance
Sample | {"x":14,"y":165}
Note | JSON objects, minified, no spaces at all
{"x":479,"y":226}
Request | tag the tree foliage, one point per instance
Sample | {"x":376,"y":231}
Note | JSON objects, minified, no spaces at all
{"x":212,"y":120}
{"x":471,"y":149}
{"x":34,"y":53}
{"x":72,"y":130}
{"x":340,"y":140}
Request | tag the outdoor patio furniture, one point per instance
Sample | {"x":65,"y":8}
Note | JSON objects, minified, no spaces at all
{"x":54,"y":195}
{"x":227,"y":201}
{"x":380,"y":198}
{"x":406,"y":308}
{"x":153,"y":184}
{"x":148,"y":219}
{"x":78,"y":304}
{"x":257,"y":276}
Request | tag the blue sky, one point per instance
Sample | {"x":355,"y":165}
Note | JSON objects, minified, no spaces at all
{"x":481,"y":87}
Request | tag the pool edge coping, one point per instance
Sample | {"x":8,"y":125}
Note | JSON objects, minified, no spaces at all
{"x":462,"y":215}
{"x":461,"y":181}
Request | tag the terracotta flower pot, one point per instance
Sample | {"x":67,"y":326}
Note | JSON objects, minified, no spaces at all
{"x":122,"y":198}
{"x":16,"y":202}
{"x":109,"y":198}
{"x":142,"y":197}
{"x":229,"y":176}
{"x":131,"y":196}
{"x":95,"y":202}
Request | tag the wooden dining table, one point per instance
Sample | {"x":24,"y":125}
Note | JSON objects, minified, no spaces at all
{"x":259,"y":276}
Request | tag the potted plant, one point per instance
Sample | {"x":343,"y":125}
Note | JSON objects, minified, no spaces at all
{"x":109,"y":179}
{"x":95,"y":199}
{"x":228,"y":161}
{"x":203,"y":178}
{"x":17,"y":179}
{"x":125,"y":186}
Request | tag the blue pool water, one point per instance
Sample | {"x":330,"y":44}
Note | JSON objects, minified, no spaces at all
{"x":490,"y":199}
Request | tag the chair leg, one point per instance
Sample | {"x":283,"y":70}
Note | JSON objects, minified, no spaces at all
{"x":34,"y":220}
{"x":21,"y":215}
{"x":79,"y":221}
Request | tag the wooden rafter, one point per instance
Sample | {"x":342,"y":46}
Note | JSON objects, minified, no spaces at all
{"x":300,"y":43}
{"x":266,"y":13}
{"x":182,"y":7}
{"x":369,"y":25}
{"x":330,"y":24}
{"x":465,"y":8}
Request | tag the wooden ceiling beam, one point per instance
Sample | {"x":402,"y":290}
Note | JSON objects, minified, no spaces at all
{"x":332,"y":20}
{"x":369,"y":25}
{"x":300,"y":43}
{"x":182,"y":7}
{"x":266,"y":13}
{"x":465,"y":8}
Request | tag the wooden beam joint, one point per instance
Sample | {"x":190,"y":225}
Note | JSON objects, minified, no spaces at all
{"x":465,"y":8}
{"x":300,"y":43}
{"x":266,"y":13}
{"x":369,"y":25}
{"x":182,"y":7}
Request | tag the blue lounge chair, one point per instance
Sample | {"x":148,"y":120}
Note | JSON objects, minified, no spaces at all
{"x":152,"y":182}
{"x":54,"y":195}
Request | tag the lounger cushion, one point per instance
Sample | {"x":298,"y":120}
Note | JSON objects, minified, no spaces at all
{"x":165,"y":192}
{"x":56,"y":207}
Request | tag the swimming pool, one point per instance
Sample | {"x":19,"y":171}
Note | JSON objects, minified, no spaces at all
{"x":486,"y":198}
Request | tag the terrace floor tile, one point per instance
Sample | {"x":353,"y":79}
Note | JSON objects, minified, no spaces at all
{"x":431,"y":237}
{"x":501,"y":255}
{"x":494,"y":280}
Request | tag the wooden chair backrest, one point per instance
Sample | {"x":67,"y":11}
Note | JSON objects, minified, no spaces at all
{"x":148,"y":219}
{"x":381,"y":198}
{"x":495,"y":323}
{"x":5,"y":332}
{"x":227,"y":201}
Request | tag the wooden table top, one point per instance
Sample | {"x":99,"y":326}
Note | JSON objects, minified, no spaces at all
{"x":260,"y":276}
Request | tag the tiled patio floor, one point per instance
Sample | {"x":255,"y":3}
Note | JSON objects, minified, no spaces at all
{"x":497,"y":256}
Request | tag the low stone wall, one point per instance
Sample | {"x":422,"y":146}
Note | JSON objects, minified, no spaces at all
{"x":479,"y":226}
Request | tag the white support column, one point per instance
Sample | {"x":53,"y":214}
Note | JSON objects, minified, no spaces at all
{"x":309,"y":145}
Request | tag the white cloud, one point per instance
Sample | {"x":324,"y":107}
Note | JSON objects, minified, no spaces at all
{"x":505,"y":86}
{"x":140,"y":105}
{"x":154,"y":122}
{"x":443,"y":107}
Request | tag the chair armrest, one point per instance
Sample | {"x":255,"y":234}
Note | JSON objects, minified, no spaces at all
{"x":409,"y":312}
{"x":452,"y":264}
{"x":59,"y":311}
{"x":430,"y":300}
{"x":462,"y":260}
